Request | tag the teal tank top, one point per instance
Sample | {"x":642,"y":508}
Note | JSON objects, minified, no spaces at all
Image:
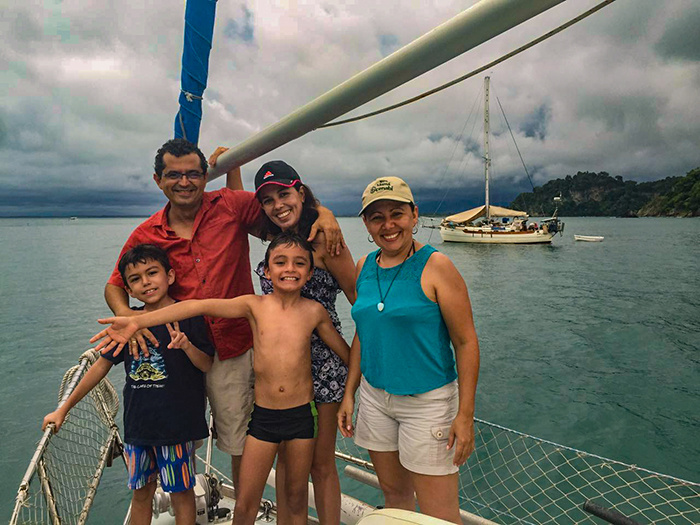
{"x":406,"y":347}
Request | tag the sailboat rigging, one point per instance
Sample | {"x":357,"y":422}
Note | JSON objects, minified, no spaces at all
{"x":482,"y":224}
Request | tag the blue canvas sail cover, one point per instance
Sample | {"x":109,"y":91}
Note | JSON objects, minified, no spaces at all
{"x":199,"y":30}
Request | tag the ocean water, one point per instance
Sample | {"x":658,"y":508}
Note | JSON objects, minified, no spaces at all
{"x":592,"y":345}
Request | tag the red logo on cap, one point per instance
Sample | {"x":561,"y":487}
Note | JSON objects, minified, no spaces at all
{"x":268,"y":175}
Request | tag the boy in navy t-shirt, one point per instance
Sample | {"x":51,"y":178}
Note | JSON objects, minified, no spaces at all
{"x":164,"y":393}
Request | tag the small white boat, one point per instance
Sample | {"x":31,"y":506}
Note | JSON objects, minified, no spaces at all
{"x":589,"y":238}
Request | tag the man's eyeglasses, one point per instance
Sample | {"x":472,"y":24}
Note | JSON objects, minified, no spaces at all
{"x":191,"y":175}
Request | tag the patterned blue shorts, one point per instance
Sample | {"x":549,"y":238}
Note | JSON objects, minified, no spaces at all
{"x":174,"y":463}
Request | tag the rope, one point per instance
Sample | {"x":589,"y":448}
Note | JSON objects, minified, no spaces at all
{"x":476,"y":71}
{"x":182,"y":125}
{"x":516,"y":144}
{"x":191,"y":97}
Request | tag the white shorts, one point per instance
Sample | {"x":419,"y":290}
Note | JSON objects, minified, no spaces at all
{"x":230,"y":391}
{"x":418,"y":426}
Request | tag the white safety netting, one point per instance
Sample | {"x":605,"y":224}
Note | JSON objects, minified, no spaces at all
{"x":64,"y":473}
{"x":515,"y":478}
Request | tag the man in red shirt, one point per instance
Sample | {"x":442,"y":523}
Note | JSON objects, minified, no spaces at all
{"x":206,"y":237}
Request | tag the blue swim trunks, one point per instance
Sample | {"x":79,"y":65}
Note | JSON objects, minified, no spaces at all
{"x":174,"y":463}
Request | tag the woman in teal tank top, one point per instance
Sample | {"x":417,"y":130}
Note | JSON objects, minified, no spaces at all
{"x":414,"y":358}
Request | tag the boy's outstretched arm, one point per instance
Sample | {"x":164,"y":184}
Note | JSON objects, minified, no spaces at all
{"x":330,"y":336}
{"x":122,"y":328}
{"x":93,"y":376}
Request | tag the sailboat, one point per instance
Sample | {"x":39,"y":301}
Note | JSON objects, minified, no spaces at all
{"x":494,"y":224}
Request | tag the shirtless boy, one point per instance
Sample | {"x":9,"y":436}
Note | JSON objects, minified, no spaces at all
{"x":282,"y":324}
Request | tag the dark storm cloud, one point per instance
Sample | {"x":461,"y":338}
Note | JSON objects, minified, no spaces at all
{"x":681,"y":38}
{"x":636,"y":116}
{"x":442,"y":201}
{"x":469,"y":145}
{"x":388,"y":44}
{"x":242,"y":29}
{"x":28,"y":128}
{"x":431,"y":200}
{"x":472,"y":146}
{"x":535,"y":124}
{"x":4,"y":132}
{"x":626,"y":23}
{"x":25,"y":28}
{"x":79,"y":202}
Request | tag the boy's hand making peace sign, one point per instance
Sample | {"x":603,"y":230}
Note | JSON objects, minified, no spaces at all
{"x":178,"y":339}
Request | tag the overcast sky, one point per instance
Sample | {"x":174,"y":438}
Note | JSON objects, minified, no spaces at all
{"x":89,"y":93}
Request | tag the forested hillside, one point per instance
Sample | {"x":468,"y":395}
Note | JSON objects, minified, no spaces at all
{"x":599,"y":194}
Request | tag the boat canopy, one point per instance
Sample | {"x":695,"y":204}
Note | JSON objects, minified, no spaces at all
{"x":480,"y":211}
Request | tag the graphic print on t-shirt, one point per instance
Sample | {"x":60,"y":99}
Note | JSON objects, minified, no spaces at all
{"x":150,"y":368}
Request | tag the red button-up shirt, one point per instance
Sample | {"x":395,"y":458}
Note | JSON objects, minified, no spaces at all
{"x":213,"y":264}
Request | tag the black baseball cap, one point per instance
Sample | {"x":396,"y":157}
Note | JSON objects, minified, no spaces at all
{"x":276,"y":172}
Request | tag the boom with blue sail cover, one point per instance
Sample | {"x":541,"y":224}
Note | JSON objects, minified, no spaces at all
{"x":199,"y":30}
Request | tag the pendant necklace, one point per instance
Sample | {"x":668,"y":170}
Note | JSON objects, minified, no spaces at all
{"x":380,"y":304}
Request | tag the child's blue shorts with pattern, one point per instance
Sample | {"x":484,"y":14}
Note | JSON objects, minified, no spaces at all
{"x":174,"y":464}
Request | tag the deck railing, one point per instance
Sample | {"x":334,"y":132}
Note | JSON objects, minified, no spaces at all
{"x":61,"y":481}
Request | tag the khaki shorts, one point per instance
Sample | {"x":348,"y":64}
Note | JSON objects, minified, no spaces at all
{"x":418,"y":426}
{"x":230,"y":391}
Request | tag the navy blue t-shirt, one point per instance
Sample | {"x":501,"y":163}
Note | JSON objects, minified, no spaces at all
{"x":164,"y":394}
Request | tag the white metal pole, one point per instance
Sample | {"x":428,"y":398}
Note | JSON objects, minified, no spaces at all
{"x":465,"y":31}
{"x":487,"y":159}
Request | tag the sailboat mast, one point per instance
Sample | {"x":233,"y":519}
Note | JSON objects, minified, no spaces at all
{"x":487,"y":159}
